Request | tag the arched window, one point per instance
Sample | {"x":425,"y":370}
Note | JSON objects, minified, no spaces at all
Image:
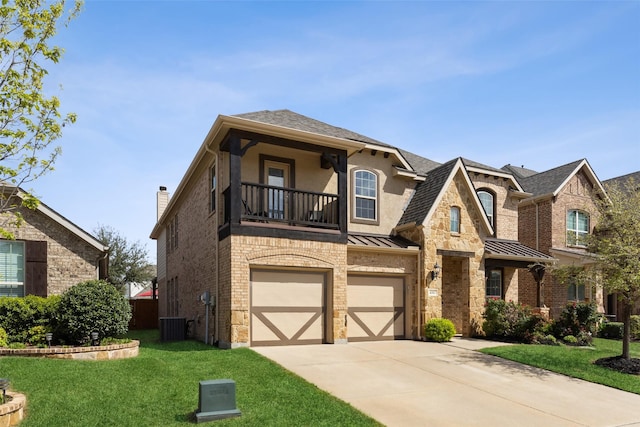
{"x":366,"y":195}
{"x":486,"y":198}
{"x":454,"y":219}
{"x":577,"y":227}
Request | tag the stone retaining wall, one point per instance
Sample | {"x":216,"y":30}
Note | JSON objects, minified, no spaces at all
{"x":105,"y":352}
{"x":12,"y":412}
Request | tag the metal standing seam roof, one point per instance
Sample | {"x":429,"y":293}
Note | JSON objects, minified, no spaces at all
{"x":512,"y":249}
{"x":379,"y":241}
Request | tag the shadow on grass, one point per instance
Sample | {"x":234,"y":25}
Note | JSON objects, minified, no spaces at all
{"x":150,"y":338}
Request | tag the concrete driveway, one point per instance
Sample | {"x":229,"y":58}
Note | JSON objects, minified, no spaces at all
{"x":411,"y":383}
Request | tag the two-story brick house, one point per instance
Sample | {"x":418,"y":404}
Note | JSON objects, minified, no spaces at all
{"x":554,"y":220}
{"x":48,"y":255}
{"x":303,"y":232}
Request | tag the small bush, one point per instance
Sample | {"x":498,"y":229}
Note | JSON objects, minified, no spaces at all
{"x":570,"y":339}
{"x":635,"y":327}
{"x":36,"y":335}
{"x":611,"y":330}
{"x":439,"y":330}
{"x":547,"y":340}
{"x":19,"y":315}
{"x":17,"y":345}
{"x":91,"y":306}
{"x":3,"y":337}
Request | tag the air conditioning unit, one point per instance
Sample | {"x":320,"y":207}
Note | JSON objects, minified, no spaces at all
{"x":172,"y":328}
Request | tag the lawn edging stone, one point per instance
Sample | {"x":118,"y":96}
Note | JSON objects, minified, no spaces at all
{"x":99,"y":352}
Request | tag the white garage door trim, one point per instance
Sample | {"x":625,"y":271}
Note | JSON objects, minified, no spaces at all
{"x":287,"y":307}
{"x":376,"y":308}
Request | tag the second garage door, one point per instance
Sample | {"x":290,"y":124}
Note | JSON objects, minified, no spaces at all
{"x":287,"y":307}
{"x":376,"y":308}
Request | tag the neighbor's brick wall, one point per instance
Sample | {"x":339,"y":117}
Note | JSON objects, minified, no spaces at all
{"x":70,"y":259}
{"x":552,"y":233}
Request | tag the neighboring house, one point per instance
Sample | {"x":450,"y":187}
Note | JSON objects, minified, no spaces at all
{"x":628,"y":182}
{"x":49,"y":254}
{"x":302,"y":232}
{"x":554,"y":220}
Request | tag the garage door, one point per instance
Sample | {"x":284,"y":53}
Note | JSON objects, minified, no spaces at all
{"x":376,"y":308}
{"x":287,"y":307}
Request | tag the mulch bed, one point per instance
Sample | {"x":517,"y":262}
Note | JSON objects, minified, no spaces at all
{"x":617,"y":363}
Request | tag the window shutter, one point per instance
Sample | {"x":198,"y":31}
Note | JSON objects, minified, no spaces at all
{"x":36,"y":268}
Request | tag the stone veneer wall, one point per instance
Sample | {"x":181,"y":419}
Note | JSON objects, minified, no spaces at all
{"x":506,"y":207}
{"x":70,"y":260}
{"x":406,"y":265}
{"x":436,"y":235}
{"x":246,"y":252}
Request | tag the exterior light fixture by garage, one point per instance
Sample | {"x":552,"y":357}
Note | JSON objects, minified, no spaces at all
{"x":94,"y":338}
{"x":435,"y":272}
{"x":48,"y":336}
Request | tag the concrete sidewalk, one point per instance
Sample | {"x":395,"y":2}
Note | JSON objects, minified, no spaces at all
{"x":412,"y":383}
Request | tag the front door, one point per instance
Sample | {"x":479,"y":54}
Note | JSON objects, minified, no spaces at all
{"x":277,"y":175}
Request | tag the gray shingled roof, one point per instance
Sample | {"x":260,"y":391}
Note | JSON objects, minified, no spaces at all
{"x":289,"y":119}
{"x":473,"y":164}
{"x":379,"y":241}
{"x":622,"y":181}
{"x":426,"y":194}
{"x":512,"y":249}
{"x":549,"y":181}
{"x":519,"y":172}
{"x":419,"y":164}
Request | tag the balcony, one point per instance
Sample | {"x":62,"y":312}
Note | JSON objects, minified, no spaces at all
{"x":266,"y":206}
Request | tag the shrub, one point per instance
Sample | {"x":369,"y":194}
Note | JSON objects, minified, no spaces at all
{"x":611,"y":330}
{"x":439,"y":330}
{"x":570,"y":339}
{"x":3,"y":337}
{"x":508,"y":321}
{"x":92,"y":306}
{"x":547,"y":340}
{"x":635,"y":327}
{"x":19,"y":315}
{"x":36,"y":335}
{"x":576,"y":318}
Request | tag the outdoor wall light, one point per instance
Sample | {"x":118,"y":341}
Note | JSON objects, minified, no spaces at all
{"x":48,"y":336}
{"x":94,"y":338}
{"x":435,"y":272}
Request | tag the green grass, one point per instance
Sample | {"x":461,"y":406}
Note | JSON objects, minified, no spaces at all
{"x":575,"y":362}
{"x":160,"y":388}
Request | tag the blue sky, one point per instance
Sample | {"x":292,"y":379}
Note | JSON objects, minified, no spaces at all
{"x":538,"y":84}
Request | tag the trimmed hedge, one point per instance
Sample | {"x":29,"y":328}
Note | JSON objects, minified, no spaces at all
{"x":19,"y":315}
{"x":611,"y":330}
{"x":439,"y":330}
{"x":92,"y":306}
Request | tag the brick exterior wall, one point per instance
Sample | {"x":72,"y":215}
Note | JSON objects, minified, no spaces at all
{"x":506,"y":207}
{"x":70,"y":259}
{"x":543,"y":226}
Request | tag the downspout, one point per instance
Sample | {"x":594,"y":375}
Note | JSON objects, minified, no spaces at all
{"x":215,"y":261}
{"x":537,"y":226}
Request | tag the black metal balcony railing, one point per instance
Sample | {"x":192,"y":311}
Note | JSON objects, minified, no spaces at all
{"x":269,"y":204}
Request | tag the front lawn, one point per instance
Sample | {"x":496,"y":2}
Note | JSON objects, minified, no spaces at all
{"x":160,"y":388}
{"x":575,"y":362}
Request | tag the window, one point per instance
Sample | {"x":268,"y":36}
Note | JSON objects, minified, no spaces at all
{"x":486,"y":199}
{"x":214,"y":186}
{"x":577,"y":228}
{"x":454,"y":219}
{"x":172,"y":234}
{"x":494,"y":284}
{"x":11,"y":269}
{"x":366,"y":195}
{"x":172,"y":297}
{"x":575,"y":292}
